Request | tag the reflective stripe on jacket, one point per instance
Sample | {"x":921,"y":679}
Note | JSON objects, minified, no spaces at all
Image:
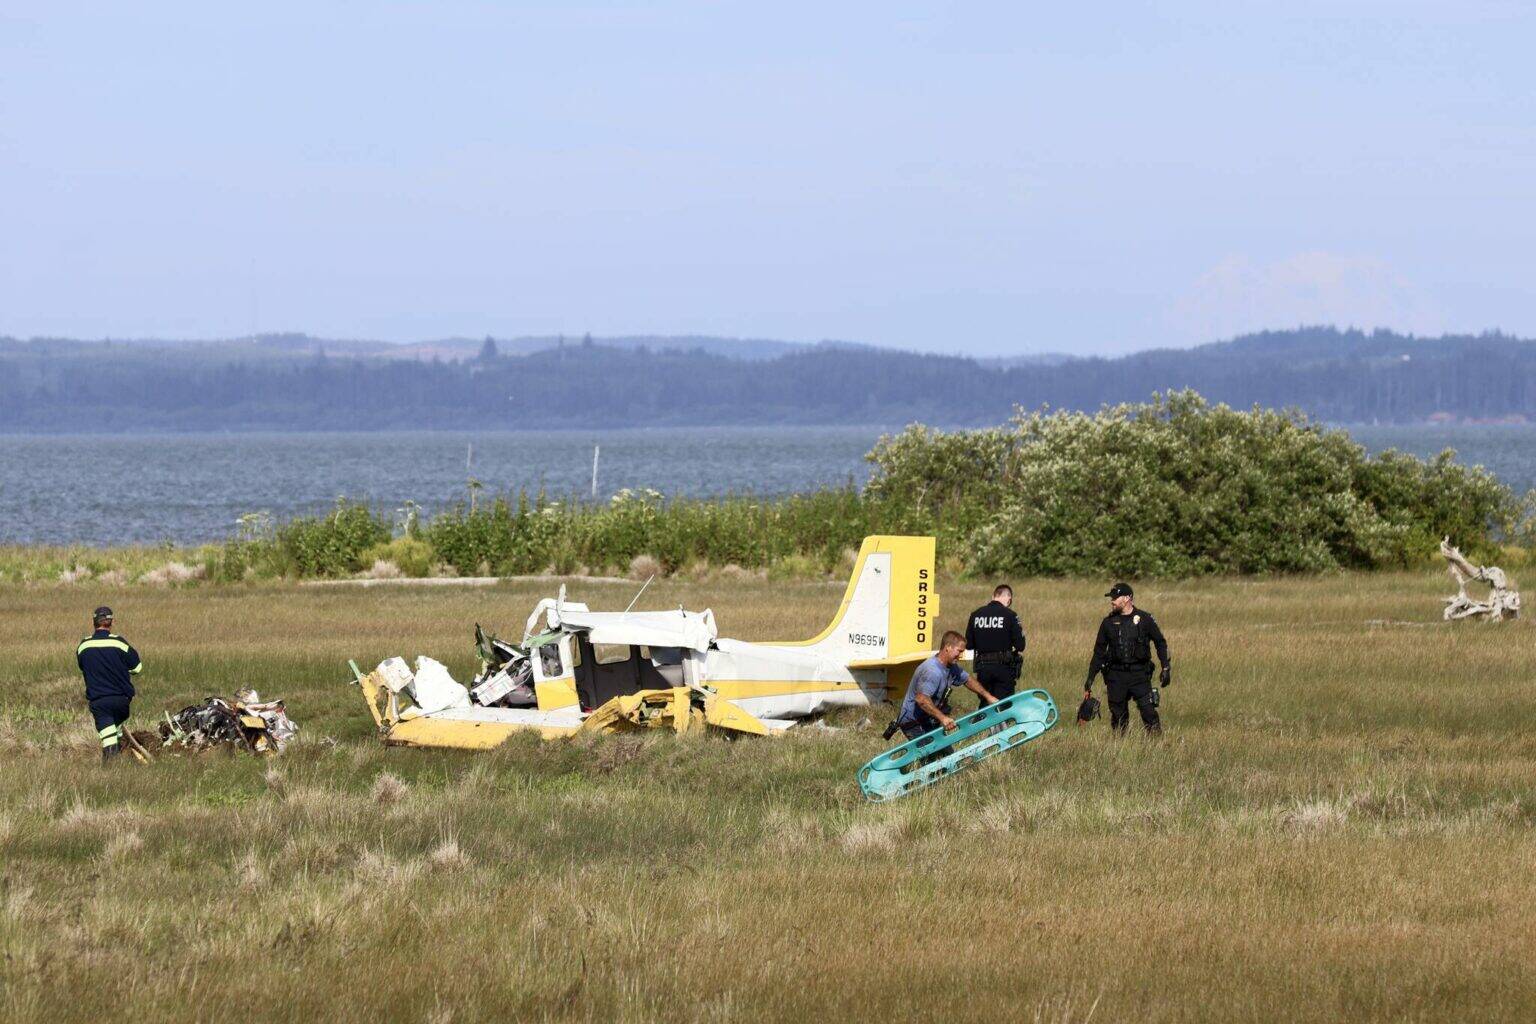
{"x":108,"y":663}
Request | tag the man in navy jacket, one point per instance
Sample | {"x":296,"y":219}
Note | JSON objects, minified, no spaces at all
{"x":108,"y":663}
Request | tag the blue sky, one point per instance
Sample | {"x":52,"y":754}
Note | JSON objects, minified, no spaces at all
{"x":988,"y":178}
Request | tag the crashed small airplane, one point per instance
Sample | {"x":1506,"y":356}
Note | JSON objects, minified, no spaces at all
{"x":577,"y":669}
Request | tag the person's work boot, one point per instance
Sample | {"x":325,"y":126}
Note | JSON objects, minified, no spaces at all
{"x":110,"y":751}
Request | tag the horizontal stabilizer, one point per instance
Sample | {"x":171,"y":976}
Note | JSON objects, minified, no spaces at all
{"x":901,"y":659}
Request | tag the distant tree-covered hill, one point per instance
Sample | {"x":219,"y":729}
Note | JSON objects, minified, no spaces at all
{"x":295,"y":382}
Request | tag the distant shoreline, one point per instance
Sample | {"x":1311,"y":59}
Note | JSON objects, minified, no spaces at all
{"x":1347,"y":378}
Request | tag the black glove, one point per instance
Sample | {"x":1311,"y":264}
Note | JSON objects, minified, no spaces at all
{"x":1165,"y":677}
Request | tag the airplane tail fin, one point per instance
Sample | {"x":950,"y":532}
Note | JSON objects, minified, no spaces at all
{"x":890,"y":608}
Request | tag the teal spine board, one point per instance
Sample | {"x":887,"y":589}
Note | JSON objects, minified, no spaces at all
{"x":985,"y":732}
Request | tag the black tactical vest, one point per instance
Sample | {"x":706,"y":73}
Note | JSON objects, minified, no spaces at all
{"x":1129,"y":645}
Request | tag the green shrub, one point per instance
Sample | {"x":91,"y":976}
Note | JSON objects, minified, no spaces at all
{"x":1435,"y":499}
{"x":468,"y":538}
{"x":795,"y":567}
{"x":946,"y":484}
{"x":1179,"y":487}
{"x":412,"y":556}
{"x":331,"y":545}
{"x":628,"y":527}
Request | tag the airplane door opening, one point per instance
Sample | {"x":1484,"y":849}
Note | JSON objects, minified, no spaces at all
{"x":606,"y":671}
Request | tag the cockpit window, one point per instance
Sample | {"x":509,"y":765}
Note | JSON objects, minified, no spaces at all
{"x":663,"y":655}
{"x":610,"y":654}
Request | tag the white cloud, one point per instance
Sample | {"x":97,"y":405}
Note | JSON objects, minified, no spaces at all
{"x":1238,"y":296}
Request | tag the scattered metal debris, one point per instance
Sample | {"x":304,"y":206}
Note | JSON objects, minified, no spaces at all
{"x":247,"y":722}
{"x":1503,"y":600}
{"x":506,"y":674}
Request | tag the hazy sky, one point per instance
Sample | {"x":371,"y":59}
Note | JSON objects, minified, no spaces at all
{"x":992,"y":178}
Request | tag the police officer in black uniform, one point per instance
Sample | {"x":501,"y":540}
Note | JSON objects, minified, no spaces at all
{"x":996,"y":641}
{"x":108,"y":663}
{"x":1123,"y":652}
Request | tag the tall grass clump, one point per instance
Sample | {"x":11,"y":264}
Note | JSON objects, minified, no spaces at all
{"x":336,"y":544}
{"x":96,"y":566}
{"x":529,"y":534}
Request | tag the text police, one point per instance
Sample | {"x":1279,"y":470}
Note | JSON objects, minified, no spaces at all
{"x":996,"y":640}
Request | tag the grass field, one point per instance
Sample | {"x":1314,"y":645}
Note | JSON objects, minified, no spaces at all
{"x":1338,"y":825}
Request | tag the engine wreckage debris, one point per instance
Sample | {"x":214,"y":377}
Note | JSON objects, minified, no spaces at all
{"x":1503,"y":600}
{"x":247,"y":722}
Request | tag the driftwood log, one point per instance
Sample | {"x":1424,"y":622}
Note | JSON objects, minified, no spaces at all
{"x":1503,"y":601}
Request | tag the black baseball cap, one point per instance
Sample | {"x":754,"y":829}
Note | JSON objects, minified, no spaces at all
{"x":1119,"y":590}
{"x":102,"y":613}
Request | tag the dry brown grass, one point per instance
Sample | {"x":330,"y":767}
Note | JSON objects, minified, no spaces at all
{"x":1338,"y":826}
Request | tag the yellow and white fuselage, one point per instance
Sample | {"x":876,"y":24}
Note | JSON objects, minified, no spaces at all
{"x":582,"y":660}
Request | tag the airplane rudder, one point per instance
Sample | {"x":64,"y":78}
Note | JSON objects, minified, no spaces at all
{"x":914,"y":597}
{"x":890,"y":604}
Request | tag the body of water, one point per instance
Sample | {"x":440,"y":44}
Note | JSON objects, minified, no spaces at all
{"x":105,"y":490}
{"x":145,"y":489}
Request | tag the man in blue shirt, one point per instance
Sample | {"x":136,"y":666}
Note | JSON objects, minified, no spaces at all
{"x":926,"y":706}
{"x":108,"y":663}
